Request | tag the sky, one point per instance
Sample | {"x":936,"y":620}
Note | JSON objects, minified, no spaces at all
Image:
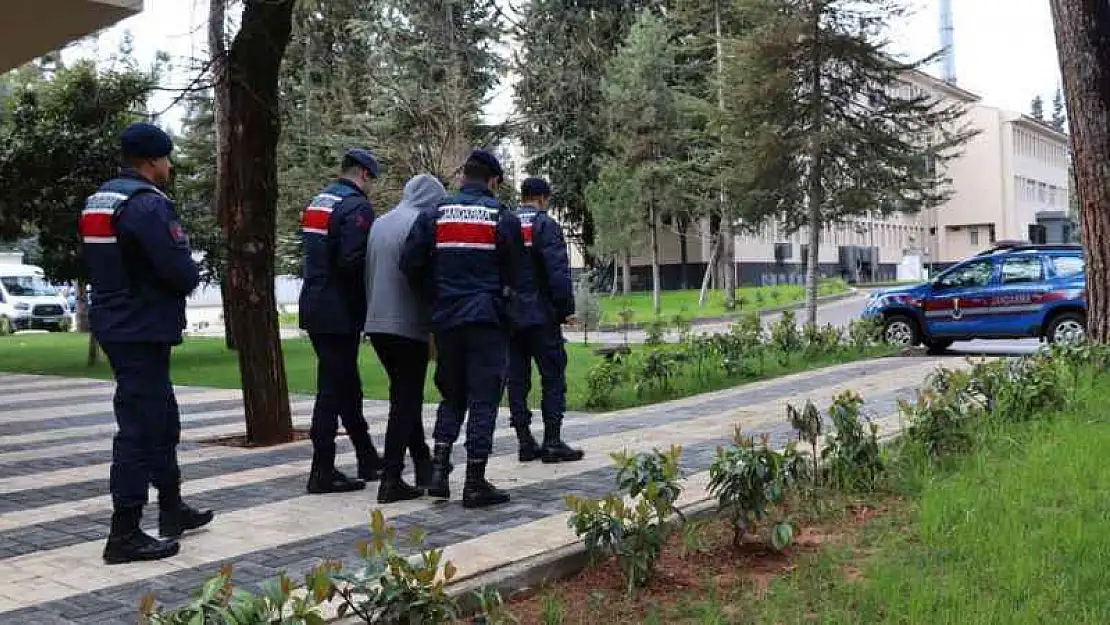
{"x":1006,"y":56}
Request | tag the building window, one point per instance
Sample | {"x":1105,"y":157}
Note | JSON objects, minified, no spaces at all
{"x":974,"y":234}
{"x":1042,"y":193}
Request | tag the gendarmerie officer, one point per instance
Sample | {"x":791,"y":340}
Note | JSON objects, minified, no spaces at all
{"x":464,"y":255}
{"x":332,"y":308}
{"x":544,"y":302}
{"x":141,"y":270}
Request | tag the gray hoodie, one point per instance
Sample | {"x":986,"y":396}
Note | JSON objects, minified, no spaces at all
{"x":391,"y":306}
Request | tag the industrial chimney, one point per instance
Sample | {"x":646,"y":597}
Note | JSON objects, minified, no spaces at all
{"x":947,"y":43}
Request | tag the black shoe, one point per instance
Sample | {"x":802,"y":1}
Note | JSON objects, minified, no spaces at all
{"x":369,"y":463}
{"x":128,"y":543}
{"x":335,"y":482}
{"x":527,"y":447}
{"x":422,"y":471}
{"x":554,"y":449}
{"x":396,"y":489}
{"x":477,"y":492}
{"x":175,"y":521}
{"x":438,"y":486}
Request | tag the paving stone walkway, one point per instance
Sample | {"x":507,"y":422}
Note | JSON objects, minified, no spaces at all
{"x":55,"y":449}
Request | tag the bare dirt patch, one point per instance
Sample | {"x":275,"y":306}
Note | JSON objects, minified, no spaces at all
{"x":240,"y":440}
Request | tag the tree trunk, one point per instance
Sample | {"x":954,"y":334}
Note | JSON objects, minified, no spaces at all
{"x":1083,"y":45}
{"x":82,"y":312}
{"x":728,"y":257}
{"x":217,"y":49}
{"x":815,"y":196}
{"x":626,"y":274}
{"x":656,"y":302}
{"x":247,"y":198}
{"x":94,"y":351}
{"x":683,"y":256}
{"x":708,"y":274}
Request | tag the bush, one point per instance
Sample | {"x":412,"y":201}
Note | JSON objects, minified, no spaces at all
{"x":587,"y":305}
{"x":785,"y":337}
{"x":603,"y":379}
{"x":865,"y":333}
{"x":654,"y":332}
{"x":851,"y":459}
{"x":820,"y":340}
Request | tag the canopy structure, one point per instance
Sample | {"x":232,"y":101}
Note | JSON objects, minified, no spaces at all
{"x":31,"y":28}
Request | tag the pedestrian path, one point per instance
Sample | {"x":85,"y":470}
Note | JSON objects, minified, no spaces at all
{"x":55,"y":449}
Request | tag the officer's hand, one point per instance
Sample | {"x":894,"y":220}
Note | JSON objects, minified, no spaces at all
{"x":571,"y":320}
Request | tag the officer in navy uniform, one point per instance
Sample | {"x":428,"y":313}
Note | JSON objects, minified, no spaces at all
{"x":463,"y":256}
{"x":544,"y":302}
{"x":334,"y":229}
{"x":141,"y":270}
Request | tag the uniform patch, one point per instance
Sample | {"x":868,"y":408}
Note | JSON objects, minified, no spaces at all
{"x":362,"y":222}
{"x":178,"y":232}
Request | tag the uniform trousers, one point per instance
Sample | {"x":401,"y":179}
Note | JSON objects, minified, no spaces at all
{"x":543,"y":344}
{"x":338,"y":393}
{"x":470,"y":374}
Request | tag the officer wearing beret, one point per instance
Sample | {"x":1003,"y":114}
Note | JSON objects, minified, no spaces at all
{"x":332,"y":307}
{"x":464,"y":256}
{"x":141,"y":271}
{"x":544,"y":302}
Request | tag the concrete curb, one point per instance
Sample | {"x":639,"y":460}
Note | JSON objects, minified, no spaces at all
{"x":702,"y":321}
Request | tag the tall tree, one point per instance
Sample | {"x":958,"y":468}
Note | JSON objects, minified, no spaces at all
{"x":1059,"y":119}
{"x":820,"y":126}
{"x":248,"y":129}
{"x":1083,"y":46}
{"x":1036,"y":108}
{"x":564,"y":46}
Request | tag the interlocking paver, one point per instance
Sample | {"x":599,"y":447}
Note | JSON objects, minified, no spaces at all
{"x":54,"y":508}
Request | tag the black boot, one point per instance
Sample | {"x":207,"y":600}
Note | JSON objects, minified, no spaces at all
{"x":422,"y":470}
{"x":527,"y":447}
{"x":176,"y":517}
{"x":128,"y":543}
{"x":438,"y":485}
{"x":324,"y":478}
{"x":394,"y":488}
{"x":554,"y":449}
{"x":369,"y":464}
{"x":477,"y":492}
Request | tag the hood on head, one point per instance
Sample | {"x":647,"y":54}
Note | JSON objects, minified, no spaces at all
{"x":423,"y":192}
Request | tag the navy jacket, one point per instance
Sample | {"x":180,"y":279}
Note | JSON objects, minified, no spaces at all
{"x":334,"y":229}
{"x":139,"y":262}
{"x":463,"y":258}
{"x":546,"y":294}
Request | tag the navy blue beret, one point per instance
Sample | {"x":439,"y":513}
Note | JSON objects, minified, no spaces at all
{"x":145,"y":140}
{"x":489,"y":160}
{"x":535,"y":187}
{"x":364,"y":158}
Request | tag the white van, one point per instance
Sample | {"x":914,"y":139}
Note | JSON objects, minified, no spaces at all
{"x":29,"y":302}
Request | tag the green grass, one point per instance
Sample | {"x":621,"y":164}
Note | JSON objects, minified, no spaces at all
{"x":1016,"y":533}
{"x":205,"y":362}
{"x":685,"y":303}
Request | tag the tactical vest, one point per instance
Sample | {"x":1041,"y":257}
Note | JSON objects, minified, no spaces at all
{"x":104,"y":256}
{"x":466,"y":245}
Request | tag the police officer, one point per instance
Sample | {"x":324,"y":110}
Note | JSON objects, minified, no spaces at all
{"x":334,"y":228}
{"x":141,"y":270}
{"x":544,"y":301}
{"x":464,"y":254}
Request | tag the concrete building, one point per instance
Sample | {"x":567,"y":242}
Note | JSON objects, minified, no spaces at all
{"x":31,"y":28}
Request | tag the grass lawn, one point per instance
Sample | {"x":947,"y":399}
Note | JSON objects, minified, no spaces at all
{"x":1017,"y":533}
{"x":205,"y":362}
{"x":685,"y":303}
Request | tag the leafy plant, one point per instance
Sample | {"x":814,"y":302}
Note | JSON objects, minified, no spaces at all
{"x":603,"y":379}
{"x":785,"y":337}
{"x":820,"y":340}
{"x":807,"y":422}
{"x":864,"y":333}
{"x":552,"y":610}
{"x":852,"y":458}
{"x":749,"y":479}
{"x":219,"y":602}
{"x":654,"y":332}
{"x":682,"y":325}
{"x":656,"y":370}
{"x":492,"y":610}
{"x":939,"y":420}
{"x":654,"y":476}
{"x":750,"y":337}
{"x":390,"y":588}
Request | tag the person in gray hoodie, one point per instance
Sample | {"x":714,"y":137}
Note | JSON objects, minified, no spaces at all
{"x":397,"y":324}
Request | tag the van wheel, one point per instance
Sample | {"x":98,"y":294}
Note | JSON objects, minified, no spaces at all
{"x":900,"y":330}
{"x":6,"y":327}
{"x":1067,"y":328}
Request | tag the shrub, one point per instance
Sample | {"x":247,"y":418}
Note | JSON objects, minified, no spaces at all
{"x":940,"y":419}
{"x":852,"y":458}
{"x":807,"y":422}
{"x":785,"y":337}
{"x":748,"y":480}
{"x":820,"y":340}
{"x":865,"y":333}
{"x":603,"y":379}
{"x":656,"y":370}
{"x":587,"y":305}
{"x":654,"y":332}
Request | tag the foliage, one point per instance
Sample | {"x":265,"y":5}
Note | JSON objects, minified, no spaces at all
{"x":656,"y":370}
{"x":748,"y":479}
{"x":603,"y":378}
{"x":219,"y":602}
{"x":655,"y":332}
{"x":492,"y":609}
{"x":632,"y":524}
{"x":587,"y":306}
{"x":821,"y":340}
{"x":390,"y":588}
{"x":851,"y":458}
{"x":807,"y":422}
{"x":785,"y":338}
{"x":864,"y":333}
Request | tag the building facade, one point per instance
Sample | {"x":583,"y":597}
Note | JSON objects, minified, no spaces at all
{"x":31,"y":28}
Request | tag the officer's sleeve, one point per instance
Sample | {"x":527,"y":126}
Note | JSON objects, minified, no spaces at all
{"x":150,"y":220}
{"x":352,"y":227}
{"x":416,"y":255}
{"x":510,"y":249}
{"x":547,"y":239}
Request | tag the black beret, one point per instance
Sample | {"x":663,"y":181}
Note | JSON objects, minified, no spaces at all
{"x":489,"y":160}
{"x":535,"y":187}
{"x":145,"y":140}
{"x":364,"y":158}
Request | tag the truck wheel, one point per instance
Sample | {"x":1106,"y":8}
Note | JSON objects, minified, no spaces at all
{"x":900,"y":330}
{"x":1067,"y":328}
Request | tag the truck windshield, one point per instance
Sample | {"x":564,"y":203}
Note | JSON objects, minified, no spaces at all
{"x":27,"y":286}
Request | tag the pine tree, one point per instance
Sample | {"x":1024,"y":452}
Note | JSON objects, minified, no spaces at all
{"x":818,"y":127}
{"x":1036,"y":108}
{"x":1059,"y":120}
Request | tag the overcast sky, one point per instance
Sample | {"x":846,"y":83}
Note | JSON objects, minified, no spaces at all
{"x":1007,"y":56}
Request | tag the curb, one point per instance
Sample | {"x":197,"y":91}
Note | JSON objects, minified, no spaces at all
{"x":702,"y":321}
